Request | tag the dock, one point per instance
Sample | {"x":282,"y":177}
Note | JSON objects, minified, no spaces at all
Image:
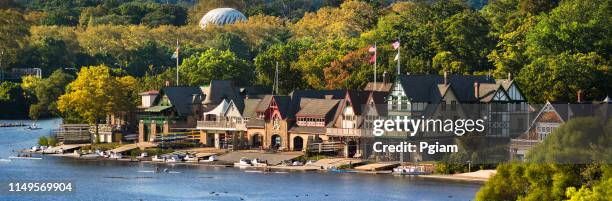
{"x":127,"y":147}
{"x":327,"y":163}
{"x":63,"y":148}
{"x":271,"y":158}
{"x":377,"y":166}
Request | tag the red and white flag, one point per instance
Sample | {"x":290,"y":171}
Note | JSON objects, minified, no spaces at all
{"x":372,"y":49}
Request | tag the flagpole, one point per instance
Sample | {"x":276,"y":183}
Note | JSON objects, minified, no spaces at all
{"x":375,"y":54}
{"x":177,"y":62}
{"x":399,"y":56}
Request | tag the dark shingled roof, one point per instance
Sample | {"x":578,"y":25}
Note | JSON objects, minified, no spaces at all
{"x":419,"y":87}
{"x":317,"y":107}
{"x":219,"y":90}
{"x":297,"y":95}
{"x":358,"y":99}
{"x":182,"y":98}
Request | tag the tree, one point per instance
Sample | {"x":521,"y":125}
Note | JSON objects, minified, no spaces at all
{"x":578,"y":141}
{"x":350,"y":20}
{"x":12,"y":101}
{"x":559,"y":77}
{"x":215,"y":65}
{"x":574,"y":26}
{"x":13,"y":36}
{"x":96,"y":94}
{"x":290,"y":77}
{"x":352,"y":71}
{"x":46,"y":92}
{"x":466,"y":37}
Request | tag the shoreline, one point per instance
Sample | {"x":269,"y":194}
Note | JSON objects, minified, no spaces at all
{"x":478,"y":177}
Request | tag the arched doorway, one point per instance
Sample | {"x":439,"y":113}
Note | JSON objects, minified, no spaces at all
{"x":256,"y":140}
{"x":298,"y":143}
{"x":276,"y":141}
{"x":352,"y":148}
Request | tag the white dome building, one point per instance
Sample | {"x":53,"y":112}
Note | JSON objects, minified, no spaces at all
{"x":221,"y":16}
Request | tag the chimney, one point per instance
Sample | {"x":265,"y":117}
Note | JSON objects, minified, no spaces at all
{"x":445,"y":78}
{"x":579,"y":96}
{"x":509,"y":76}
{"x":476,"y":90}
{"x":385,"y":78}
{"x":167,"y":83}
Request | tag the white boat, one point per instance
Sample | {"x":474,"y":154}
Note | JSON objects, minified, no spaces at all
{"x":21,"y":157}
{"x":191,"y":158}
{"x":115,"y":155}
{"x":156,"y":158}
{"x":210,"y":158}
{"x":258,"y":163}
{"x":142,"y":155}
{"x":244,"y":162}
{"x":34,"y":126}
{"x":410,"y":170}
{"x":173,"y":159}
{"x":36,"y":148}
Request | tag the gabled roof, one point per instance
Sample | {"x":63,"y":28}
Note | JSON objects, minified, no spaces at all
{"x":182,"y":98}
{"x":218,"y":90}
{"x":282,"y":102}
{"x":316,"y":107}
{"x":357,"y":99}
{"x":297,"y":95}
{"x":379,"y":86}
{"x":250,"y":105}
{"x":418,"y":88}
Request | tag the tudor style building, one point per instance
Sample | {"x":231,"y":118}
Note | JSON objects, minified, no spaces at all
{"x":169,"y":110}
{"x":461,"y":96}
{"x":550,"y":117}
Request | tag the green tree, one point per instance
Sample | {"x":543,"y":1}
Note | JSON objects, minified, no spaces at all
{"x":42,"y":141}
{"x":290,"y":77}
{"x":13,"y":36}
{"x":580,"y":140}
{"x":46,"y":92}
{"x":12,"y":101}
{"x":215,"y":65}
{"x":559,"y":77}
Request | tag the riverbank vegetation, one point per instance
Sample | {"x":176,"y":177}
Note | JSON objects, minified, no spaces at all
{"x":553,"y":48}
{"x":572,"y":163}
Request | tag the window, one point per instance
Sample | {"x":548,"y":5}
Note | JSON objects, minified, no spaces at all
{"x":453,"y":105}
{"x":443,"y":106}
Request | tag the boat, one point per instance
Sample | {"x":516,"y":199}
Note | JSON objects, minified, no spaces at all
{"x":191,"y":158}
{"x":336,"y":170}
{"x":33,"y":126}
{"x":410,"y":170}
{"x":156,"y":158}
{"x":258,"y":163}
{"x":211,"y":158}
{"x":25,"y":157}
{"x":244,"y":162}
{"x":173,"y":159}
{"x":115,"y":156}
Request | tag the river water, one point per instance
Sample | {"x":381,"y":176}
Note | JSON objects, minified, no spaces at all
{"x":110,"y":180}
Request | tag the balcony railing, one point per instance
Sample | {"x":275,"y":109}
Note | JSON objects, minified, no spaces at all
{"x":221,"y":125}
{"x":347,"y":132}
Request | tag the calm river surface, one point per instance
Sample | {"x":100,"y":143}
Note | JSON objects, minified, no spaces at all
{"x":94,"y":180}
